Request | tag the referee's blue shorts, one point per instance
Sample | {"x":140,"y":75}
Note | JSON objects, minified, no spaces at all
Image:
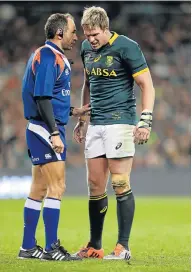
{"x":39,"y":145}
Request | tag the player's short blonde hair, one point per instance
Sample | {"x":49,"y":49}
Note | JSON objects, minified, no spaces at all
{"x":95,"y":17}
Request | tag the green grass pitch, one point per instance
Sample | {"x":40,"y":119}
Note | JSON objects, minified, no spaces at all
{"x":160,"y":240}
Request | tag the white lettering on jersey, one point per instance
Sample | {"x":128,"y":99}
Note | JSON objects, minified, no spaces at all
{"x":65,"y":92}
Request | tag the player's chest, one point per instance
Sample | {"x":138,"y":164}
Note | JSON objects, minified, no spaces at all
{"x":102,"y":64}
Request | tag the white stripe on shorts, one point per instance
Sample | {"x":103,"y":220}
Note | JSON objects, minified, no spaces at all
{"x":52,"y":203}
{"x":41,"y":131}
{"x":32,"y":204}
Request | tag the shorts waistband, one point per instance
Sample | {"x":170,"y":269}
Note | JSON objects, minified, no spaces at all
{"x":39,"y":120}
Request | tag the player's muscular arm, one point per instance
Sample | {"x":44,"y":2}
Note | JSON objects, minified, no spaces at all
{"x":85,"y":95}
{"x":85,"y":102}
{"x":79,"y":130}
{"x":144,"y":81}
{"x":142,"y":131}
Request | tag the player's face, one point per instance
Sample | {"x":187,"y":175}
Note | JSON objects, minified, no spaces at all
{"x":97,"y":37}
{"x":70,"y":36}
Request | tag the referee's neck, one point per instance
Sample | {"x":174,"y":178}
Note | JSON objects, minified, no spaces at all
{"x":57,"y":43}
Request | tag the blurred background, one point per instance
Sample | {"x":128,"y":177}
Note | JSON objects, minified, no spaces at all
{"x":163,"y":30}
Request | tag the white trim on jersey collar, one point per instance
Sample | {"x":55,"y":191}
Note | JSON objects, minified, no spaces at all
{"x":53,"y":48}
{"x":63,"y":56}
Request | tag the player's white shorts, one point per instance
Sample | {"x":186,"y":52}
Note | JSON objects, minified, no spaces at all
{"x":116,"y":141}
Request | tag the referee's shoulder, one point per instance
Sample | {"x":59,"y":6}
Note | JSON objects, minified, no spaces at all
{"x":44,"y":53}
{"x":47,"y":52}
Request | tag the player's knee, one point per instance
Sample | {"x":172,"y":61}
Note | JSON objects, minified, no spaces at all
{"x":120,"y":183}
{"x":57,"y":189}
{"x":96,"y":186}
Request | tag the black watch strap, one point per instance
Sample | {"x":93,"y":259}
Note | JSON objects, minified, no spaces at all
{"x":55,"y":134}
{"x":71,"y":111}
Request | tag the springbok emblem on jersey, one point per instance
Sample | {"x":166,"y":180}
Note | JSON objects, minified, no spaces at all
{"x":109,"y":61}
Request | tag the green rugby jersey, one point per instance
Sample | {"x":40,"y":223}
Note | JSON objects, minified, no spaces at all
{"x":111,"y":71}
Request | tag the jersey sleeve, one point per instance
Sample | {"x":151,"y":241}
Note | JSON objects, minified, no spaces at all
{"x":45,"y":71}
{"x":134,"y":58}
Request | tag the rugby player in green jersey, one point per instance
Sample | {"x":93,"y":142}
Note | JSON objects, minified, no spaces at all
{"x":112,"y":63}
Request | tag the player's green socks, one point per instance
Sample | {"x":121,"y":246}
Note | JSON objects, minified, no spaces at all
{"x":97,"y":210}
{"x":125,"y":213}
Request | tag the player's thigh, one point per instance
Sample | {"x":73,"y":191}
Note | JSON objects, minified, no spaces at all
{"x":38,"y":188}
{"x":120,"y":165}
{"x":54,"y":173}
{"x":97,"y":175}
{"x":118,"y":141}
{"x":120,"y":170}
{"x":94,"y":146}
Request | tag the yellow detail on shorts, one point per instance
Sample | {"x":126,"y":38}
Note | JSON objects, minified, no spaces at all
{"x":140,"y":72}
{"x":104,"y":209}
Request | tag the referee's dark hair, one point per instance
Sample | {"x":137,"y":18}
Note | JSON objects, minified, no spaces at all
{"x":55,"y":22}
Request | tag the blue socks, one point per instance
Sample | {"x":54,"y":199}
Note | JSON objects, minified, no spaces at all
{"x":51,"y":213}
{"x":31,"y":217}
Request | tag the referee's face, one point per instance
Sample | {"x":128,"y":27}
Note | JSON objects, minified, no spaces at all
{"x":70,"y":36}
{"x":96,"y":36}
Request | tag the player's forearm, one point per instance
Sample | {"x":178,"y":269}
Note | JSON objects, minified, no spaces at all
{"x":85,"y":94}
{"x":85,"y":99}
{"x":147,"y":98}
{"x":145,"y":83}
{"x":46,"y":112}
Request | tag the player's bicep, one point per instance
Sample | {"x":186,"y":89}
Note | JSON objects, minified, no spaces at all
{"x":45,"y":76}
{"x":144,"y":80}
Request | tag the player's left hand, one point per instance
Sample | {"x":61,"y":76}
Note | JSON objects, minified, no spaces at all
{"x":142,"y":131}
{"x":85,"y":110}
{"x":141,"y":135}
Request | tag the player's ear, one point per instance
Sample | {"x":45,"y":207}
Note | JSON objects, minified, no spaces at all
{"x":106,"y":30}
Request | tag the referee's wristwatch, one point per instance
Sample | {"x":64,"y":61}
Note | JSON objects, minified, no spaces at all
{"x":55,"y":133}
{"x":71,"y":111}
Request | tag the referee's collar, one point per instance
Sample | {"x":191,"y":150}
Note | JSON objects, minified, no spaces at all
{"x":54,"y":46}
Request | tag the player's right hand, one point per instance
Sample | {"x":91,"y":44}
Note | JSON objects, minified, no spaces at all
{"x":57,"y":144}
{"x":84,"y":110}
{"x":79,"y":132}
